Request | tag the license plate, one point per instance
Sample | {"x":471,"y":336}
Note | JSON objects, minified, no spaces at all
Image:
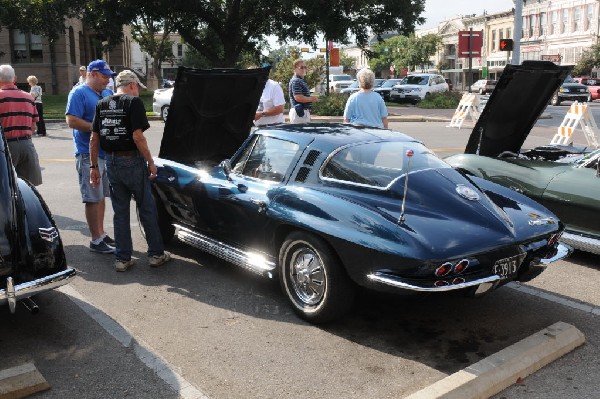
{"x":507,"y":266}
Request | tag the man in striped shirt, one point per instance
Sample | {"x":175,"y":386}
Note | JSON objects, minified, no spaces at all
{"x":299,"y":94}
{"x":18,"y":117}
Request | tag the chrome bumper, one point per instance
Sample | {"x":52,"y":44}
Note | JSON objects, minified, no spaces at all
{"x":14,"y":293}
{"x":384,"y":278}
{"x":562,"y":251}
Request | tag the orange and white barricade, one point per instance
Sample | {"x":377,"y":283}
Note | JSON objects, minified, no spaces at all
{"x":468,"y":106}
{"x":578,"y":114}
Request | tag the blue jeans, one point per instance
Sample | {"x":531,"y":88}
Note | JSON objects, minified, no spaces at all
{"x":128,"y":176}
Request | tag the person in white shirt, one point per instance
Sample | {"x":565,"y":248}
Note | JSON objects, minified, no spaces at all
{"x":111,"y":85}
{"x":271,"y":105}
{"x":82,"y":75}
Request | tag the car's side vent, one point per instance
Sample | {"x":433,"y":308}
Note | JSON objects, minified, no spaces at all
{"x":302,"y":174}
{"x":312,"y":157}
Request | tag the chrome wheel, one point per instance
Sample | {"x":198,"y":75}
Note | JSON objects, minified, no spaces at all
{"x":313,"y":278}
{"x":164,"y":112}
{"x":307,"y":276}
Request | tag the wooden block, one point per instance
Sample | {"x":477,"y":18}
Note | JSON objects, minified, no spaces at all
{"x":21,"y":381}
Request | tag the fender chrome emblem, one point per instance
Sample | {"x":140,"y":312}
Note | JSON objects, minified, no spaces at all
{"x":467,"y":192}
{"x":48,"y":233}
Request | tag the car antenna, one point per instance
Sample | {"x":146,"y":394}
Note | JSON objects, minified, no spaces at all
{"x":409,"y":154}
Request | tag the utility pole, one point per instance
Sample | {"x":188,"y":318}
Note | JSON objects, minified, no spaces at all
{"x":516,"y":55}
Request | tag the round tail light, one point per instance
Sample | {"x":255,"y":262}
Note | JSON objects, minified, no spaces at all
{"x":461,"y":266}
{"x":443,"y":269}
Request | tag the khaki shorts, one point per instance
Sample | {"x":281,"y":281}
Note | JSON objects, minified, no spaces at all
{"x":89,"y":193}
{"x":25,"y":160}
{"x":294,"y":118}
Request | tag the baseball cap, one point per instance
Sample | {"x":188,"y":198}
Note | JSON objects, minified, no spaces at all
{"x":82,"y":68}
{"x":100,"y":66}
{"x":125,"y":77}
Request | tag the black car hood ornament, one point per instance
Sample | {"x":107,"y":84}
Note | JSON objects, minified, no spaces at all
{"x":521,"y":95}
{"x":211,"y":113}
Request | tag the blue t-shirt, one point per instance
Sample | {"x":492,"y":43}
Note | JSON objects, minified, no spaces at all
{"x":365,"y":108}
{"x":82,"y":104}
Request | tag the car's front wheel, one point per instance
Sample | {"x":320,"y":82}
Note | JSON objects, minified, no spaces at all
{"x":481,"y":91}
{"x":555,"y":99}
{"x":313,"y":278}
{"x":164,"y":112}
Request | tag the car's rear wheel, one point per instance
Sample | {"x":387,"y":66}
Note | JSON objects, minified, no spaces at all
{"x":555,"y":99}
{"x":589,"y":98}
{"x":164,"y":112}
{"x":481,"y":91}
{"x":313,"y":278}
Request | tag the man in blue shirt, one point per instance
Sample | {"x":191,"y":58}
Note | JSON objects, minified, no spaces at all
{"x":81,"y":108}
{"x":299,"y":93}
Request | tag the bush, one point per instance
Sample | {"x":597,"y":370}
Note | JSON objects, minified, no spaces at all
{"x":331,"y":105}
{"x":445,"y":100}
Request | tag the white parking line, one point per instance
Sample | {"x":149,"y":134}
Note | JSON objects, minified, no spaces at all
{"x":144,"y":352}
{"x":584,"y":307}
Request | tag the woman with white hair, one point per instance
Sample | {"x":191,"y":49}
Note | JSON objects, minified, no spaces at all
{"x":366,"y":107}
{"x":36,"y":93}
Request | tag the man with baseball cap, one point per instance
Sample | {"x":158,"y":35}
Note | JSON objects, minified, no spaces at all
{"x":118,"y":130}
{"x":81,"y":106}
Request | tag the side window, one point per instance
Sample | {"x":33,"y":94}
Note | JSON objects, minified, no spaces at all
{"x":267,"y":158}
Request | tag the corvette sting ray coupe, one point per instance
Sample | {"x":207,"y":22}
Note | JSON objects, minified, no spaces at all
{"x":563,"y":178}
{"x":330,"y":207}
{"x":32,"y":259}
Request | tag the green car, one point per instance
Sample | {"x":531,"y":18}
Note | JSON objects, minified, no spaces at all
{"x":563,"y":178}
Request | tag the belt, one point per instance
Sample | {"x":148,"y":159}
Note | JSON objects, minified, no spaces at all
{"x":128,"y":153}
{"x":20,"y":138}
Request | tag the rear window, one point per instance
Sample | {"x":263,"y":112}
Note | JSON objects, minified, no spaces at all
{"x":378,"y":164}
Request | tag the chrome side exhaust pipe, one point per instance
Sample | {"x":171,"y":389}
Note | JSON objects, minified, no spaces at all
{"x":30,"y":305}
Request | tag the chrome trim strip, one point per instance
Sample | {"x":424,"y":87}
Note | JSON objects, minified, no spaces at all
{"x":583,"y":243}
{"x":394,"y":282}
{"x":255,"y":262}
{"x":25,"y":290}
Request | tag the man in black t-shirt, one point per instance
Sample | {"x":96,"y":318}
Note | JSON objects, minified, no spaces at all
{"x":118,"y":128}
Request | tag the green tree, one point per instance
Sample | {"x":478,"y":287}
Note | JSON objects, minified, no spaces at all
{"x":589,"y":60}
{"x":152,"y":33}
{"x":404,"y":52}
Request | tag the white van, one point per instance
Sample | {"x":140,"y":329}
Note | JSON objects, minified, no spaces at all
{"x":417,"y":86}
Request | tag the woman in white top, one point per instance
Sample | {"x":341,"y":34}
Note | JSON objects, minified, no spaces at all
{"x":36,"y":93}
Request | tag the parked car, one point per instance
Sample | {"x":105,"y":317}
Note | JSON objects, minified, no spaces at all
{"x":330,"y":207}
{"x":386,"y":87}
{"x":337,"y":82}
{"x":417,"y":87}
{"x":565,"y":179}
{"x":484,"y":86}
{"x":353,"y":88}
{"x":593,"y":85}
{"x":32,"y":259}
{"x":161,"y":100}
{"x":570,"y":90}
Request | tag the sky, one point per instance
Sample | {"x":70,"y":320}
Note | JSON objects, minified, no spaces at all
{"x":438,"y":10}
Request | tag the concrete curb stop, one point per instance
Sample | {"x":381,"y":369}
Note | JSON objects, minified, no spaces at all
{"x":502,"y":369}
{"x":21,"y":381}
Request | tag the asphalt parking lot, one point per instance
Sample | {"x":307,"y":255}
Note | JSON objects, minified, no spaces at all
{"x":202,"y":328}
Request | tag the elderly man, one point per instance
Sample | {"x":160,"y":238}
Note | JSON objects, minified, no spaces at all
{"x":81,"y":106}
{"x":19,"y":116}
{"x":118,"y":129}
{"x":82,"y":75}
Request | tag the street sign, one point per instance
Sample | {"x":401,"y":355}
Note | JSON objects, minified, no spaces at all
{"x":476,"y":43}
{"x":323,"y":50}
{"x":556,"y":58}
{"x":506,"y":44}
{"x":304,"y":49}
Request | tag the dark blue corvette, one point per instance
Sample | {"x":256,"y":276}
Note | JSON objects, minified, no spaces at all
{"x":329,"y":207}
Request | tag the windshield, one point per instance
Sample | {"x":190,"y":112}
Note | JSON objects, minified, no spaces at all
{"x":391,"y":82}
{"x":353,"y":85}
{"x":569,"y":79}
{"x":417,"y":80}
{"x":589,"y":160}
{"x":378,"y":164}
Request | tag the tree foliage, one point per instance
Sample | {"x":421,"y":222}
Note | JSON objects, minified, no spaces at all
{"x":589,"y":60}
{"x":404,"y":52}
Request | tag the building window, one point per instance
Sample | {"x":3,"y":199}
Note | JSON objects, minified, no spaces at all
{"x":27,"y":47}
{"x":494,"y":40}
{"x":589,"y":17}
{"x":523,"y":25}
{"x":542,"y":24}
{"x":500,"y":34}
{"x":554,"y":23}
{"x":577,"y":19}
{"x":508,"y":33}
{"x":180,"y":50}
{"x":532,"y":22}
{"x":565,"y":21}
{"x":72,"y":46}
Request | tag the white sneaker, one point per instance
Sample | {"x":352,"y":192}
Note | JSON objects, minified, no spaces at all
{"x":159,"y":260}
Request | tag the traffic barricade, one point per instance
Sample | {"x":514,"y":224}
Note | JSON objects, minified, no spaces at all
{"x":468,"y":106}
{"x":577,"y":115}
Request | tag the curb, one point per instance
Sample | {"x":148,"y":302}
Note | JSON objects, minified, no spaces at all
{"x":504,"y":368}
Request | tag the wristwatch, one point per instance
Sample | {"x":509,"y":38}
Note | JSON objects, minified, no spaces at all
{"x":93,"y":166}
{"x":264,"y":113}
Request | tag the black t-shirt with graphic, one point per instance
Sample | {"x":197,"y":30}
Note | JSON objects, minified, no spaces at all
{"x":116,"y":119}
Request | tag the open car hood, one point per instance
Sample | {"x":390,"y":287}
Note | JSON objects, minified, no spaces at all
{"x":211,"y":113}
{"x":521,"y":95}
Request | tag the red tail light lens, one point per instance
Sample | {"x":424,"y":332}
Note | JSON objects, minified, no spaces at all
{"x":554,"y":239}
{"x":461,"y":266}
{"x":443,"y":269}
{"x":440,"y":283}
{"x":458,"y":280}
